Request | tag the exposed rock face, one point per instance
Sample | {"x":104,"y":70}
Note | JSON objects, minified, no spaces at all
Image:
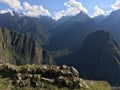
{"x":100,"y":57}
{"x":34,"y":75}
{"x":20,"y":49}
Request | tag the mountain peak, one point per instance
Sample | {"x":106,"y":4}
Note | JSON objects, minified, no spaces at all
{"x":81,"y":17}
{"x":12,"y":13}
{"x":99,"y":18}
{"x":101,"y":52}
{"x":81,"y":13}
{"x":117,"y":12}
{"x":15,"y":13}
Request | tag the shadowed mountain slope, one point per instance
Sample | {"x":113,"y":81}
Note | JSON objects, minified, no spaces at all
{"x":100,"y":57}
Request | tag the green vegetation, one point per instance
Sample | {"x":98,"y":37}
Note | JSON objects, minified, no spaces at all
{"x":97,"y":85}
{"x":60,"y":53}
{"x":21,"y":49}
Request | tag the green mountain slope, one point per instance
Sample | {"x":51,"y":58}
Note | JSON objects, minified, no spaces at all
{"x":21,"y":49}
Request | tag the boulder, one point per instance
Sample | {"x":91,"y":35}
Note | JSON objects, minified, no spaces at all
{"x":18,"y":76}
{"x":68,"y":74}
{"x":63,"y":67}
{"x":47,"y":80}
{"x":36,"y":77}
{"x":76,"y":82}
{"x":23,"y":83}
{"x":63,"y":82}
{"x":74,"y":71}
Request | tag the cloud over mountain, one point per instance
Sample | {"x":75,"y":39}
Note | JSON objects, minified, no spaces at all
{"x":34,"y":10}
{"x":98,"y":11}
{"x":116,"y":5}
{"x":6,"y":11}
{"x":14,"y":4}
{"x":72,"y":8}
{"x":25,"y":7}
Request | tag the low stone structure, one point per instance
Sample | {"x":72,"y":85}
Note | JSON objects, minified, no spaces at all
{"x":34,"y":75}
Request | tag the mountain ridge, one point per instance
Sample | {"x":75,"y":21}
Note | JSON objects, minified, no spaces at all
{"x":27,"y":25}
{"x":72,"y":29}
{"x":19,"y":49}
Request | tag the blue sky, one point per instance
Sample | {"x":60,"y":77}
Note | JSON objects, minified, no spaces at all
{"x":59,"y":8}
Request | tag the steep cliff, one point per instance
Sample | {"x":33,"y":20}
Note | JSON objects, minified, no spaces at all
{"x":20,"y":49}
{"x":101,"y":57}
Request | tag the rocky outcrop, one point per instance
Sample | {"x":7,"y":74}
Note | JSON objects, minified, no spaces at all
{"x":32,"y":75}
{"x":21,"y":49}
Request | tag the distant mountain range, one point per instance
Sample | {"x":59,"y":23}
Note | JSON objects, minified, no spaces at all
{"x":72,"y":32}
{"x":24,"y":24}
{"x":99,"y":18}
{"x":111,"y":24}
{"x":48,"y":31}
{"x":72,"y":40}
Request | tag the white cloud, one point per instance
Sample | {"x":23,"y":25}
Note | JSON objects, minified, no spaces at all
{"x":98,"y":11}
{"x":116,"y":5}
{"x":108,"y":12}
{"x":34,"y":10}
{"x":14,"y":4}
{"x":72,"y":8}
{"x":6,"y":11}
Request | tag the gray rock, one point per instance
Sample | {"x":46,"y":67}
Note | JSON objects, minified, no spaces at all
{"x":74,"y":71}
{"x":64,"y":67}
{"x":47,"y":80}
{"x":18,"y":76}
{"x":76,"y":82}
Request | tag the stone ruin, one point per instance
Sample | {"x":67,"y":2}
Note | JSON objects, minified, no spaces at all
{"x":60,"y":76}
